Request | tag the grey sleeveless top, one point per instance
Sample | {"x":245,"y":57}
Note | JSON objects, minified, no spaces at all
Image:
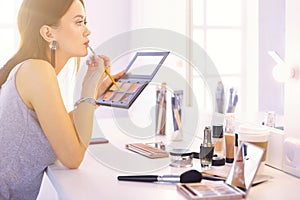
{"x":24,"y":149}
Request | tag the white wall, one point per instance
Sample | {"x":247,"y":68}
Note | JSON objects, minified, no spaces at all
{"x":271,"y":37}
{"x":291,"y":145}
{"x":292,"y":88}
{"x":107,"y":18}
{"x":166,"y":14}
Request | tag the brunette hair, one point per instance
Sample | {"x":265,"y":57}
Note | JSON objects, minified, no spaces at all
{"x":33,"y":14}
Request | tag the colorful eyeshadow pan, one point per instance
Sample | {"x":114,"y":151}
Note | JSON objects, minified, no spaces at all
{"x":132,"y":84}
{"x":107,"y":95}
{"x":117,"y":96}
{"x":134,"y":87}
{"x":214,"y":190}
{"x":114,"y":87}
{"x":125,"y":98}
{"x":125,"y":86}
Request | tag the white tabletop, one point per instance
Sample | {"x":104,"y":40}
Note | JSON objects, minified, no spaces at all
{"x":96,"y":178}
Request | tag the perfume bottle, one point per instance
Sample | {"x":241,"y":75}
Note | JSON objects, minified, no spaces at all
{"x":206,"y":149}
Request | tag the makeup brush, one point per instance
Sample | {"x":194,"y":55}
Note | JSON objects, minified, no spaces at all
{"x":177,"y":117}
{"x":190,"y":176}
{"x":229,"y":109}
{"x":106,"y":71}
{"x":235,"y":100}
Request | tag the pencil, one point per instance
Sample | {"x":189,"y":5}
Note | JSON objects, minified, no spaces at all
{"x":106,"y":71}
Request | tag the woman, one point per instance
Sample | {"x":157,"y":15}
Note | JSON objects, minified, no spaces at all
{"x":35,"y":126}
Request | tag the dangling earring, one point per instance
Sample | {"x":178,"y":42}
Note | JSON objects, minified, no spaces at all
{"x":53,"y":47}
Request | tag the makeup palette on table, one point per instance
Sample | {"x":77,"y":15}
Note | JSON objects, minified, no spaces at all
{"x":238,"y":182}
{"x":140,"y":71}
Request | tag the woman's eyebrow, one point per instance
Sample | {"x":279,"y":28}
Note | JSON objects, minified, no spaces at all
{"x":81,"y":16}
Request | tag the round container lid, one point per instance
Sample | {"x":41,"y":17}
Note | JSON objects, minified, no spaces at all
{"x":248,"y":129}
{"x":218,"y":161}
{"x":180,"y":152}
{"x":253,"y":133}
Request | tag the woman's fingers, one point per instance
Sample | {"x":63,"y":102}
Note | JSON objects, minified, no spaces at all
{"x":95,"y":62}
{"x":106,"y":60}
{"x":118,"y":75}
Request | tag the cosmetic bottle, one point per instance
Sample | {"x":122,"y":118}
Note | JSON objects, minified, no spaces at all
{"x":219,"y":145}
{"x":236,"y":143}
{"x":229,"y":136}
{"x":206,"y":149}
{"x":270,"y":119}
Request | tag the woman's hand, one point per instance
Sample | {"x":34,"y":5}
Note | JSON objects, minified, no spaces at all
{"x":107,"y":82}
{"x":97,"y":65}
{"x":95,"y":74}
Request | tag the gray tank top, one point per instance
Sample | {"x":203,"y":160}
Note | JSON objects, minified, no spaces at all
{"x":25,"y":151}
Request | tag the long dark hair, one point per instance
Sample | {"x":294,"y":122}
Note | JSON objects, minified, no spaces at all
{"x":33,"y":14}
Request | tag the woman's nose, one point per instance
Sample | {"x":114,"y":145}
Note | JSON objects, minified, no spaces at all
{"x":87,"y":32}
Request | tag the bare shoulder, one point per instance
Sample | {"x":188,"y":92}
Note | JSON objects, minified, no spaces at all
{"x":35,"y":71}
{"x":34,"y":80}
{"x":37,"y":66}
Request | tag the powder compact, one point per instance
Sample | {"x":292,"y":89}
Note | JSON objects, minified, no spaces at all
{"x":181,"y":158}
{"x":139,"y":72}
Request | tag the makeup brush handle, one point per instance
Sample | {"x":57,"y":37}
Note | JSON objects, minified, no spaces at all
{"x":213,"y":178}
{"x":111,"y":78}
{"x":144,"y":178}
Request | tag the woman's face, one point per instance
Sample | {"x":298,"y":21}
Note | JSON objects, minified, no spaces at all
{"x":71,"y":35}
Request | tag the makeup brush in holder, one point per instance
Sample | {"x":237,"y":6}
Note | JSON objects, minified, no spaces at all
{"x":176,"y":101}
{"x":161,"y":105}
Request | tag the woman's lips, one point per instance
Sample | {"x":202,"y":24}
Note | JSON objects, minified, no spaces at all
{"x":87,"y":43}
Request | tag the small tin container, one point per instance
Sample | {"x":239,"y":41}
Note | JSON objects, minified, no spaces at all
{"x":181,"y":158}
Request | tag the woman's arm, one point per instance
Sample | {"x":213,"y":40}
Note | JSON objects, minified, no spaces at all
{"x":38,"y":87}
{"x":83,"y":114}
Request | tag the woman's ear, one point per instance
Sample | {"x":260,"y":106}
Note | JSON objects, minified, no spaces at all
{"x":47,"y":33}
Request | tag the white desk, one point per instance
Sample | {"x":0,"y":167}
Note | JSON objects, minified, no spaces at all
{"x":96,"y":180}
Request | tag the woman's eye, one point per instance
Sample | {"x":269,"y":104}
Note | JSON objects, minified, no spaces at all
{"x":81,"y":22}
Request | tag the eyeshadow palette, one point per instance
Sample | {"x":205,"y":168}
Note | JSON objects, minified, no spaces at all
{"x":238,"y":181}
{"x":140,"y":71}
